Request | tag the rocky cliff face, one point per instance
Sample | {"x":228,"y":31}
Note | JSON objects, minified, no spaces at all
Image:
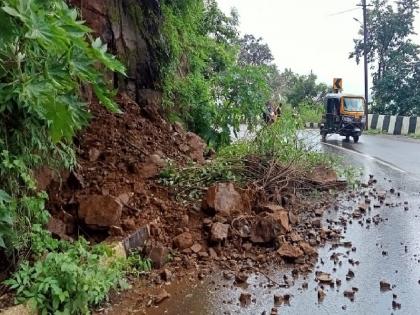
{"x":131,"y":28}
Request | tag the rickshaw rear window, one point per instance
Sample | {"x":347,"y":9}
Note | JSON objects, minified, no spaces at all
{"x":353,"y":104}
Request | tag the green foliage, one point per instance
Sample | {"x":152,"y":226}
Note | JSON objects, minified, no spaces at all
{"x":393,"y":56}
{"x":204,"y":85}
{"x":138,"y":265}
{"x":301,"y":89}
{"x":46,"y":55}
{"x":311,"y":112}
{"x":68,"y":280}
{"x":280,"y":142}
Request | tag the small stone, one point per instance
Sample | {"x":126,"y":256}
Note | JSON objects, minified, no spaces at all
{"x":278,"y":299}
{"x":161,"y":296}
{"x":245,"y":299}
{"x":349,"y":294}
{"x":219,"y":232}
{"x":321,"y":295}
{"x":196,"y":248}
{"x":384,"y":286}
{"x":183,"y":241}
{"x":241,"y":277}
{"x":167,"y":275}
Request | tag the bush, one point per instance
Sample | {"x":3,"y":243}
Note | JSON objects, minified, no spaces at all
{"x":311,"y":113}
{"x":68,"y":280}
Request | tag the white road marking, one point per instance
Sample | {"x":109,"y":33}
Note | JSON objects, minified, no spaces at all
{"x":368,"y":157}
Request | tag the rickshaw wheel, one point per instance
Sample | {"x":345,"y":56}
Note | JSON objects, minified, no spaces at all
{"x":356,"y":139}
{"x":347,"y":138}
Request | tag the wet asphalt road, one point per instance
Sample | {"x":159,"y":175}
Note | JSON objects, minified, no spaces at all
{"x":395,"y":162}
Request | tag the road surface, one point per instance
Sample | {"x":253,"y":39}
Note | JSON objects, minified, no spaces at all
{"x":388,"y":251}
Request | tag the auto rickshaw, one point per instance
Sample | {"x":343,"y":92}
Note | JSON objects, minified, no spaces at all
{"x":345,"y":115}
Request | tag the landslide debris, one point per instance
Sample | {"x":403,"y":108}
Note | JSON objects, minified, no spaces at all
{"x":114,"y":194}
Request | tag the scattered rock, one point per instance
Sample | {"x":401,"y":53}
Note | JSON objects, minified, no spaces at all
{"x":289,"y":251}
{"x":349,"y":294}
{"x":183,"y":241}
{"x":219,"y":232}
{"x":100,"y":211}
{"x":278,"y":299}
{"x":241,"y":277}
{"x":321,"y":295}
{"x":196,"y":248}
{"x":324,"y":277}
{"x":308,"y":249}
{"x":384,"y":286}
{"x":167,"y":275}
{"x":245,"y":299}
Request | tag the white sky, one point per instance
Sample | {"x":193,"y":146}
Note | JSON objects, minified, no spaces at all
{"x":303,"y":35}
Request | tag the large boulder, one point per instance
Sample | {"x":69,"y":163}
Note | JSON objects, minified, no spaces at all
{"x":223,"y":199}
{"x":100,"y":212}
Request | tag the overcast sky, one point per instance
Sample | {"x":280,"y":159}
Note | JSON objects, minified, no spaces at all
{"x":305,"y":35}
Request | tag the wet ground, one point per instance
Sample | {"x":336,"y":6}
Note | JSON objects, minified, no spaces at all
{"x":388,"y":251}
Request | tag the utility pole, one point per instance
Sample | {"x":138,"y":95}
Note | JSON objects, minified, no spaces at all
{"x":365,"y":48}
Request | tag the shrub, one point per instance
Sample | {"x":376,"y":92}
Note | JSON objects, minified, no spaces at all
{"x":68,"y":280}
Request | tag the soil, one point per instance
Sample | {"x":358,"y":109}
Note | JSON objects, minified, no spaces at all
{"x":120,"y":156}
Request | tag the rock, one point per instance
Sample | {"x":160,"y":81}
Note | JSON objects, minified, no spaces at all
{"x":223,"y":199}
{"x":115,"y":231}
{"x":183,"y":241}
{"x":274,"y":311}
{"x":241,"y":277}
{"x":245,"y":299}
{"x":293,"y":218}
{"x":100,"y":211}
{"x":213,"y":253}
{"x":316,"y":223}
{"x":278,"y":299}
{"x":289,"y":251}
{"x":161,"y":296}
{"x":384,"y":286}
{"x":151,"y":167}
{"x":350,"y":274}
{"x":159,"y":256}
{"x":94,"y":154}
{"x":323,"y":176}
{"x":308,"y":249}
{"x":271,"y":208}
{"x":196,"y":248}
{"x":128,"y":224}
{"x":58,"y":228}
{"x":396,"y":305}
{"x":349,"y":294}
{"x":363,"y":207}
{"x":167,"y":275}
{"x":265,"y":229}
{"x":321,"y":295}
{"x":324,"y":278}
{"x":295,"y":237}
{"x":197,"y":147}
{"x":282,"y":217}
{"x":219,"y":232}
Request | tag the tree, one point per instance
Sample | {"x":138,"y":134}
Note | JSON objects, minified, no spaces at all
{"x":254,"y":52}
{"x":393,"y":56}
{"x":298,"y":89}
